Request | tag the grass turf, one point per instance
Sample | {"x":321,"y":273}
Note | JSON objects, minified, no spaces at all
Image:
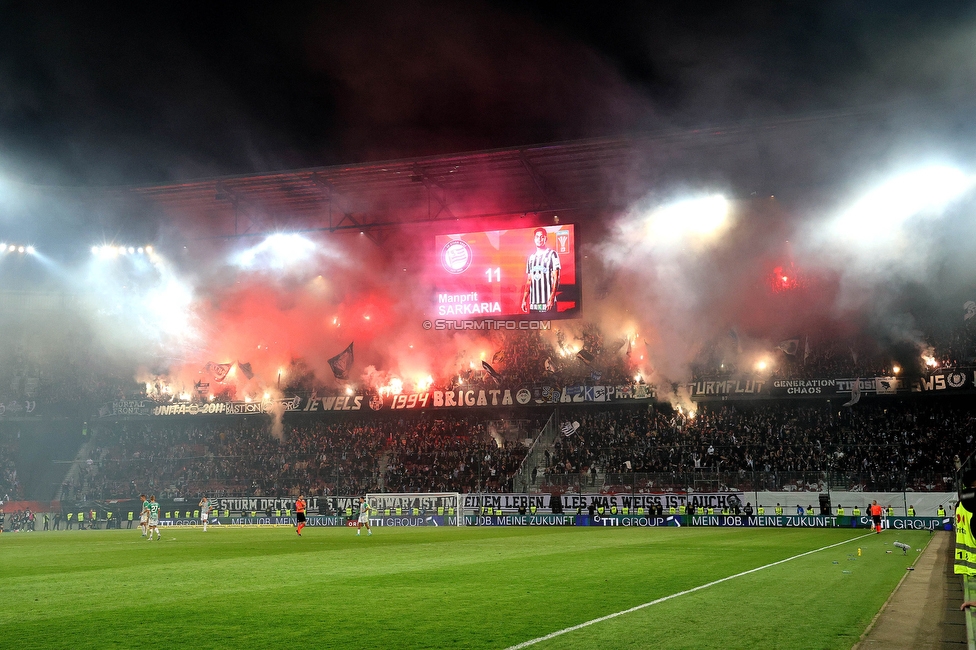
{"x":443,"y":588}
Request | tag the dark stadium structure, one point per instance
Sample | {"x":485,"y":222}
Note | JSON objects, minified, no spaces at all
{"x":76,"y":426}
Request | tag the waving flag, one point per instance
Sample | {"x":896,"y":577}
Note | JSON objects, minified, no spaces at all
{"x":342,"y":363}
{"x":246,"y":369}
{"x":218,"y":370}
{"x":790,"y":346}
{"x":491,"y":371}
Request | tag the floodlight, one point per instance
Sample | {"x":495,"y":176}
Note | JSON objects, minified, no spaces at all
{"x":920,"y":192}
{"x":698,"y":217}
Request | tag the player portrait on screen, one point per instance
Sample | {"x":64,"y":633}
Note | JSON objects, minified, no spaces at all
{"x":541,"y":276}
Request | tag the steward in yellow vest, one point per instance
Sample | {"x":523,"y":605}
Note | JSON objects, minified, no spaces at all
{"x":941,"y":512}
{"x":778,"y":510}
{"x":856,"y":511}
{"x":840,"y":510}
{"x":911,"y":511}
{"x":760,"y":511}
{"x":965,"y":556}
{"x":810,"y":511}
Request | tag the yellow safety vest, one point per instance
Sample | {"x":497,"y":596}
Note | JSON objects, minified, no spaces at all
{"x":760,"y":511}
{"x":810,"y":511}
{"x":856,"y":511}
{"x":681,"y":510}
{"x":911,"y":512}
{"x":840,"y":511}
{"x":965,"y":557}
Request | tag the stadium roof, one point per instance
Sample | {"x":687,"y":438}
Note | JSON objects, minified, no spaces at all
{"x":589,"y":175}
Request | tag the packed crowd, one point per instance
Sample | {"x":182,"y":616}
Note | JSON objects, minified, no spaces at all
{"x":311,"y":457}
{"x":911,"y":444}
{"x":453,"y":455}
{"x":65,"y":372}
{"x":10,"y":486}
{"x":61,"y":369}
{"x":181,"y":460}
{"x":819,"y":354}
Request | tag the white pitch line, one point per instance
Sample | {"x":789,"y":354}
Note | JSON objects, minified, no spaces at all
{"x":552,"y":635}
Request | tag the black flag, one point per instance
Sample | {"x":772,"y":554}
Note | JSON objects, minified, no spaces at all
{"x":341,"y":363}
{"x":586,"y":356}
{"x":491,"y":371}
{"x":245,"y":368}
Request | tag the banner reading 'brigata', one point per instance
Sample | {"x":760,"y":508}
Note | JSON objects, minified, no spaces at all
{"x":462,"y":398}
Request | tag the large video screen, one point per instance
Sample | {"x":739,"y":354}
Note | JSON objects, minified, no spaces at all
{"x":522,"y":273}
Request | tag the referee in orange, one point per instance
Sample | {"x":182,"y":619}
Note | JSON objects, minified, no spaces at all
{"x":300,"y":513}
{"x":876,"y":517}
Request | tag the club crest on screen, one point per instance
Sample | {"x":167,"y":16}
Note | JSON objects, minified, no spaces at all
{"x":456,"y":256}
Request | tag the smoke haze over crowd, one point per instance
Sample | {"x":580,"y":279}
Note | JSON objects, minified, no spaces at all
{"x":843,"y":113}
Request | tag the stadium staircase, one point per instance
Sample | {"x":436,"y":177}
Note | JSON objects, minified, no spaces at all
{"x":384,"y":464}
{"x":522,"y":481}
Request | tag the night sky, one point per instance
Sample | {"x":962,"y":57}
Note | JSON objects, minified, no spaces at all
{"x":106,"y":95}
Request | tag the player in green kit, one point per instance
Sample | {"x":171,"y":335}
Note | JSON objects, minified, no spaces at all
{"x":364,"y":510}
{"x":153,"y":517}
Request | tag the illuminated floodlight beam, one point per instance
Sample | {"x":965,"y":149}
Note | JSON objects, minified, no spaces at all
{"x":880,"y":214}
{"x":277,"y":251}
{"x":696,"y":218}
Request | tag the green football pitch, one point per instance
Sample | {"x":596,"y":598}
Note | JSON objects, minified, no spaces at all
{"x":447,"y":587}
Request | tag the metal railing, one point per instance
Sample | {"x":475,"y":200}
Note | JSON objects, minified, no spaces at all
{"x":521,"y":480}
